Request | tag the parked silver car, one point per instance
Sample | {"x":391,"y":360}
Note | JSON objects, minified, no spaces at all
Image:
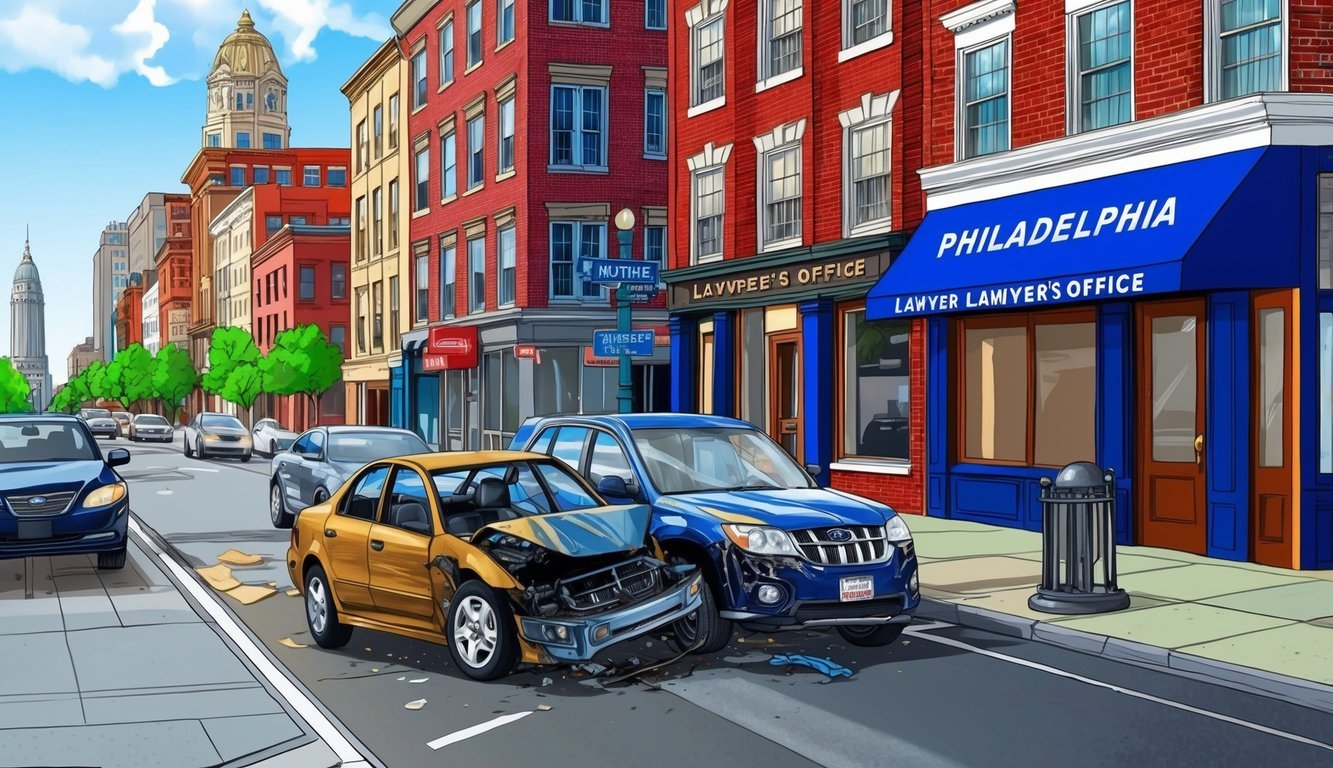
{"x":150,"y":426}
{"x":322,"y":459}
{"x":217,"y":434}
{"x":99,"y":422}
{"x":269,"y":437}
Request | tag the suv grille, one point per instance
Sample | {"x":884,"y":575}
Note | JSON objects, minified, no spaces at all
{"x":53,"y":503}
{"x":604,"y":588}
{"x":866,"y":545}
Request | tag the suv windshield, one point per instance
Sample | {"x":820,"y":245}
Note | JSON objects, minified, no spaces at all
{"x":364,"y":447}
{"x":221,"y":421}
{"x":44,"y":442}
{"x":97,"y":413}
{"x":150,"y":420}
{"x":716,"y":459}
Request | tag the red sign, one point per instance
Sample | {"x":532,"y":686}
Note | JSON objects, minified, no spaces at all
{"x":450,"y":348}
{"x":525,"y":351}
{"x":592,"y":361}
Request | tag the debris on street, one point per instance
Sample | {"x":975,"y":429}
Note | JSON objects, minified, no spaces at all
{"x":290,"y":643}
{"x":219,"y":577}
{"x":293,"y":592}
{"x":235,"y":557}
{"x":415,"y":704}
{"x":826,"y":666}
{"x":543,"y":707}
{"x":249,"y":594}
{"x":418,"y":680}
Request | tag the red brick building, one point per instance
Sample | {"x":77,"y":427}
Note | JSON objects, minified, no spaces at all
{"x":794,"y":143}
{"x":175,"y":285}
{"x":300,"y":277}
{"x":527,"y":133}
{"x":129,"y":314}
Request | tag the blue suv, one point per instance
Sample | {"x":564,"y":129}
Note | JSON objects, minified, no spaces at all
{"x":778,"y":551}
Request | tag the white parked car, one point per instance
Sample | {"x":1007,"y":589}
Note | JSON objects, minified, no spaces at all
{"x":269,"y":437}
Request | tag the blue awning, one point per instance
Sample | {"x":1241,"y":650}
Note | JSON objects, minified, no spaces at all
{"x":1223,"y":222}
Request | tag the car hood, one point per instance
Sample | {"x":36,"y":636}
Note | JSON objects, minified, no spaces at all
{"x":790,"y":508}
{"x":231,"y":431}
{"x":101,"y":422}
{"x":35,"y":475}
{"x":582,"y":533}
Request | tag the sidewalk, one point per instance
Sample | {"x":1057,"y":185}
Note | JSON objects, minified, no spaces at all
{"x":119,"y":668}
{"x":1246,"y":625}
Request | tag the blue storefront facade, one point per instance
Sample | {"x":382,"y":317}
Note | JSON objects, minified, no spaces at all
{"x":1157,"y":300}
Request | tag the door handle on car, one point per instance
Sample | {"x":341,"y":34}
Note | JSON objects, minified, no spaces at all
{"x":377,"y":545}
{"x":329,"y":533}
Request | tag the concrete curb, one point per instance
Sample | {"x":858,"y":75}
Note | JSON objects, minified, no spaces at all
{"x":1271,"y":684}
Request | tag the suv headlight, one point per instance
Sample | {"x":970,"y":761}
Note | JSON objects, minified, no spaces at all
{"x":761,"y":539}
{"x":107,"y":494}
{"x":896,"y":530}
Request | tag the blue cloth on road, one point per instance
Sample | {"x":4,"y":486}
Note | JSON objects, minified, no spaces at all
{"x":827,"y":666}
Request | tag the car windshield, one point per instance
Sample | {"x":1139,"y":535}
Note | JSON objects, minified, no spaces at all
{"x":149,"y":420}
{"x":221,"y":421}
{"x":524,"y":493}
{"x":97,"y":413}
{"x":44,"y":442}
{"x":716,"y":459}
{"x":363,"y":447}
{"x":123,"y":415}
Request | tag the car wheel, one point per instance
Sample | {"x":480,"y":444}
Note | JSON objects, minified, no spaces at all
{"x":871,"y":637}
{"x":321,"y":614}
{"x":321,"y":496}
{"x":704,"y":625}
{"x":111,"y":561}
{"x":481,"y":635}
{"x":245,"y":459}
{"x":277,"y":508}
{"x":199,"y":452}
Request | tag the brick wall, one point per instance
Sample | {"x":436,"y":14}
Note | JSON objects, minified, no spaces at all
{"x":1311,"y":45}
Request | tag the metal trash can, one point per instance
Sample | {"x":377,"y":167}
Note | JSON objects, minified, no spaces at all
{"x":1078,"y":573}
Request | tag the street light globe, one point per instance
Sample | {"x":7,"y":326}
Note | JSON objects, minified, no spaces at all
{"x":625,"y":219}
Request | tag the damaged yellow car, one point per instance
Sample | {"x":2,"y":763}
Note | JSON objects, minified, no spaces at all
{"x":503,"y":556}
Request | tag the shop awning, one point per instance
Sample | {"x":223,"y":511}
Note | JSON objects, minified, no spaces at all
{"x":1225,"y":222}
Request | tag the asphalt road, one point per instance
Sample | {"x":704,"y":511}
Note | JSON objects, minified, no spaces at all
{"x":942,"y":697}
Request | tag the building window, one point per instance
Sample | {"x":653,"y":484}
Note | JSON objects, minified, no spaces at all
{"x":421,"y":279}
{"x":579,"y":11}
{"x":708,"y":74}
{"x":393,"y":122}
{"x":499,"y":406}
{"x":361,"y":320}
{"x":377,"y":320}
{"x":338,"y":337}
{"x":866,"y":196}
{"x":781,"y":46}
{"x":393,"y":312}
{"x":447,"y":53}
{"x":654,"y":245}
{"x":448,"y":281}
{"x":362,"y":243}
{"x":449,"y":166}
{"x":654,"y":122}
{"x":1103,"y":75}
{"x":476,"y":268}
{"x":571,"y":241}
{"x":985,"y":99}
{"x":504,"y":21}
{"x":272,"y":141}
{"x":296,"y":220}
{"x":578,"y":127}
{"x":272,"y":224}
{"x":338,"y":281}
{"x":242,"y":140}
{"x":1002,"y":404}
{"x":474,"y":34}
{"x":393,"y":214}
{"x":654,"y":14}
{"x":476,"y":151}
{"x":1248,"y":50}
{"x":706,"y":368}
{"x":506,"y":135}
{"x":237,"y":177}
{"x":506,"y":253}
{"x":307,"y":284}
{"x":422,"y":199}
{"x":337,"y":176}
{"x":362,"y":147}
{"x":781,"y":202}
{"x":876,"y":417}
{"x":284,"y":176}
{"x":709,"y":203}
{"x":863,"y":22}
{"x":310,"y":177}
{"x":379,"y":132}
{"x":1325,"y":303}
{"x":215,"y":140}
{"x":555,"y":390}
{"x":419,"y":79}
{"x":377,"y":220}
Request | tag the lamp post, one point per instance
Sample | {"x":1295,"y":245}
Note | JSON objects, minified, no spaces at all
{"x":625,"y":225}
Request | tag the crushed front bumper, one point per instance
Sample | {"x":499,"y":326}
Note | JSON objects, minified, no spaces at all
{"x":579,"y":639}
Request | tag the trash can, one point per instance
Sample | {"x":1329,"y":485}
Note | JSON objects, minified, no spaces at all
{"x":1078,"y":572}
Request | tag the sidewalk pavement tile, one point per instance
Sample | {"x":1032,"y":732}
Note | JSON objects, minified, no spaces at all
{"x":1015,"y":602}
{"x":1171,"y":626}
{"x":980,"y":574}
{"x":35,"y":664}
{"x":1128,"y":562}
{"x":239,"y":736}
{"x":152,"y":657}
{"x":146,"y":706}
{"x":1202,"y":581}
{"x":1305,"y":601}
{"x":157,"y":605}
{"x":84,"y":602}
{"x":23,"y":616}
{"x":999,"y":541}
{"x":141,"y":745}
{"x":40,"y":710}
{"x":1297,"y":650}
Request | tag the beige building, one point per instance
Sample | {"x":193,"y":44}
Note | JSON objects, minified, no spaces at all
{"x":231,"y":232}
{"x":247,"y":93}
{"x":79,"y":358}
{"x":377,"y":94}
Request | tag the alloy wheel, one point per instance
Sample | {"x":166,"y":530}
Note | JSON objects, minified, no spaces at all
{"x":317,"y":605}
{"x":475,"y":631}
{"x":275,"y":504}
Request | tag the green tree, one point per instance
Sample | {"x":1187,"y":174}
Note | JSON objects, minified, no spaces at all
{"x":131,"y":375}
{"x":14,"y":389}
{"x":98,"y":386}
{"x":113,"y":382}
{"x":302,"y":362}
{"x":243,"y":386}
{"x":77,"y":388}
{"x":174,"y":378}
{"x":229,"y":348}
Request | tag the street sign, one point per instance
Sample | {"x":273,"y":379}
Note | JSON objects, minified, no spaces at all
{"x":628,"y":271}
{"x":450,"y":348}
{"x":638,"y":343}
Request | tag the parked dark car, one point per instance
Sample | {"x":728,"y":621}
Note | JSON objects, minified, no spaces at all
{"x":217,"y":434}
{"x":100,"y":422}
{"x":58,"y":494}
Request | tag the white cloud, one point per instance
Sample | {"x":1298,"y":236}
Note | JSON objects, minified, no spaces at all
{"x":36,"y":38}
{"x":142,"y":22}
{"x":302,"y":20}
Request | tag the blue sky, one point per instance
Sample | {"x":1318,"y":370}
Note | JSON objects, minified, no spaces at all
{"x":101,"y":103}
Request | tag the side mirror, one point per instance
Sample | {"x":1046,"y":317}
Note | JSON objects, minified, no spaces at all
{"x":612,"y":485}
{"x":420,"y":526}
{"x":813,"y":469}
{"x":117,"y":457}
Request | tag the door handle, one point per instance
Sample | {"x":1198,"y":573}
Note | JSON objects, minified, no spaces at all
{"x":1198,"y":449}
{"x":377,"y":545}
{"x":329,"y":533}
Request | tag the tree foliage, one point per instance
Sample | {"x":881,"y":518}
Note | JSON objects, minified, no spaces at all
{"x":173,"y":378}
{"x":243,"y":385}
{"x":302,"y":362}
{"x":98,"y":386}
{"x":14,"y":389}
{"x":230,"y":347}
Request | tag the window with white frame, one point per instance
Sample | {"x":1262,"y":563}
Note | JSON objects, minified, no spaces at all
{"x":448,"y":282}
{"x":708,"y":75}
{"x":476,"y":147}
{"x":571,"y":241}
{"x":654,"y":245}
{"x":1246,"y":41}
{"x":476,"y":268}
{"x":867,"y":140}
{"x":1102,"y":76}
{"x":377,"y":218}
{"x":393,"y":122}
{"x":578,"y":127}
{"x":421,"y":279}
{"x":579,"y":11}
{"x":985,"y":98}
{"x":780,"y":41}
{"x":506,"y":246}
{"x":474,"y":34}
{"x":448,"y":165}
{"x":393,"y":214}
{"x":506,"y":148}
{"x":421,"y":201}
{"x":654,"y":122}
{"x":654,"y":14}
{"x":419,"y":78}
{"x":447,"y":53}
{"x":781,"y":190}
{"x":709,"y":201}
{"x":504,"y":21}
{"x":864,"y":23}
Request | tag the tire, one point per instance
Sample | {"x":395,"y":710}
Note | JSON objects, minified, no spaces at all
{"x":871,"y":637}
{"x":245,"y":459}
{"x":185,"y":447}
{"x":705,"y":624}
{"x":277,"y":508}
{"x":321,"y":614}
{"x":321,"y":496}
{"x":478,"y":618}
{"x":199,"y":452}
{"x":111,"y":561}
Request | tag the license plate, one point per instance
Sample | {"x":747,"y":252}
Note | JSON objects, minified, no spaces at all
{"x":34,"y":529}
{"x":857,"y":588}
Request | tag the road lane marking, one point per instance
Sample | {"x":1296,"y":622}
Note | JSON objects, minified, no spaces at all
{"x":165,"y":493}
{"x":299,"y":701}
{"x":922,"y":632}
{"x":815,"y":734}
{"x":197,"y":469}
{"x":476,"y":730}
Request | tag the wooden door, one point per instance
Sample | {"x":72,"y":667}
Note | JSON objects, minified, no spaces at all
{"x":1271,"y":518}
{"x":1172,"y":446}
{"x":784,"y":391}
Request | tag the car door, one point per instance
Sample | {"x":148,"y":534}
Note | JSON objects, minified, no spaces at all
{"x":286,"y":471}
{"x":258,"y":436}
{"x":314,"y":467}
{"x":347,"y":537}
{"x":401,"y":584}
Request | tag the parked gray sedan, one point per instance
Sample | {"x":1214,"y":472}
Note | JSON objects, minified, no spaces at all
{"x":217,"y":434}
{"x":322,"y":459}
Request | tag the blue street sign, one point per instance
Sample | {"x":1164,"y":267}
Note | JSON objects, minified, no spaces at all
{"x":616,"y":343}
{"x":602,"y":271}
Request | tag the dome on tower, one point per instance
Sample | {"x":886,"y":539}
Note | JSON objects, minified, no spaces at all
{"x":246,"y":51}
{"x":27,"y":271}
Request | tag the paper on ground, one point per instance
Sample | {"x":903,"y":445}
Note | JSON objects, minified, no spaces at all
{"x":218,"y":577}
{"x":290,"y":643}
{"x":248,"y":594}
{"x":235,"y":557}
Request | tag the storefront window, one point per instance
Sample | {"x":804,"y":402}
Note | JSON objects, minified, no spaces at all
{"x":555,"y":381}
{"x":1272,"y":351}
{"x":706,"y":371}
{"x":600,"y":387}
{"x":996,"y":384}
{"x":1066,"y":366}
{"x":427,"y":407}
{"x":1326,"y":232}
{"x":754,"y":367}
{"x":875,"y":381}
{"x":455,"y":400}
{"x":500,"y":406}
{"x":1326,"y":387}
